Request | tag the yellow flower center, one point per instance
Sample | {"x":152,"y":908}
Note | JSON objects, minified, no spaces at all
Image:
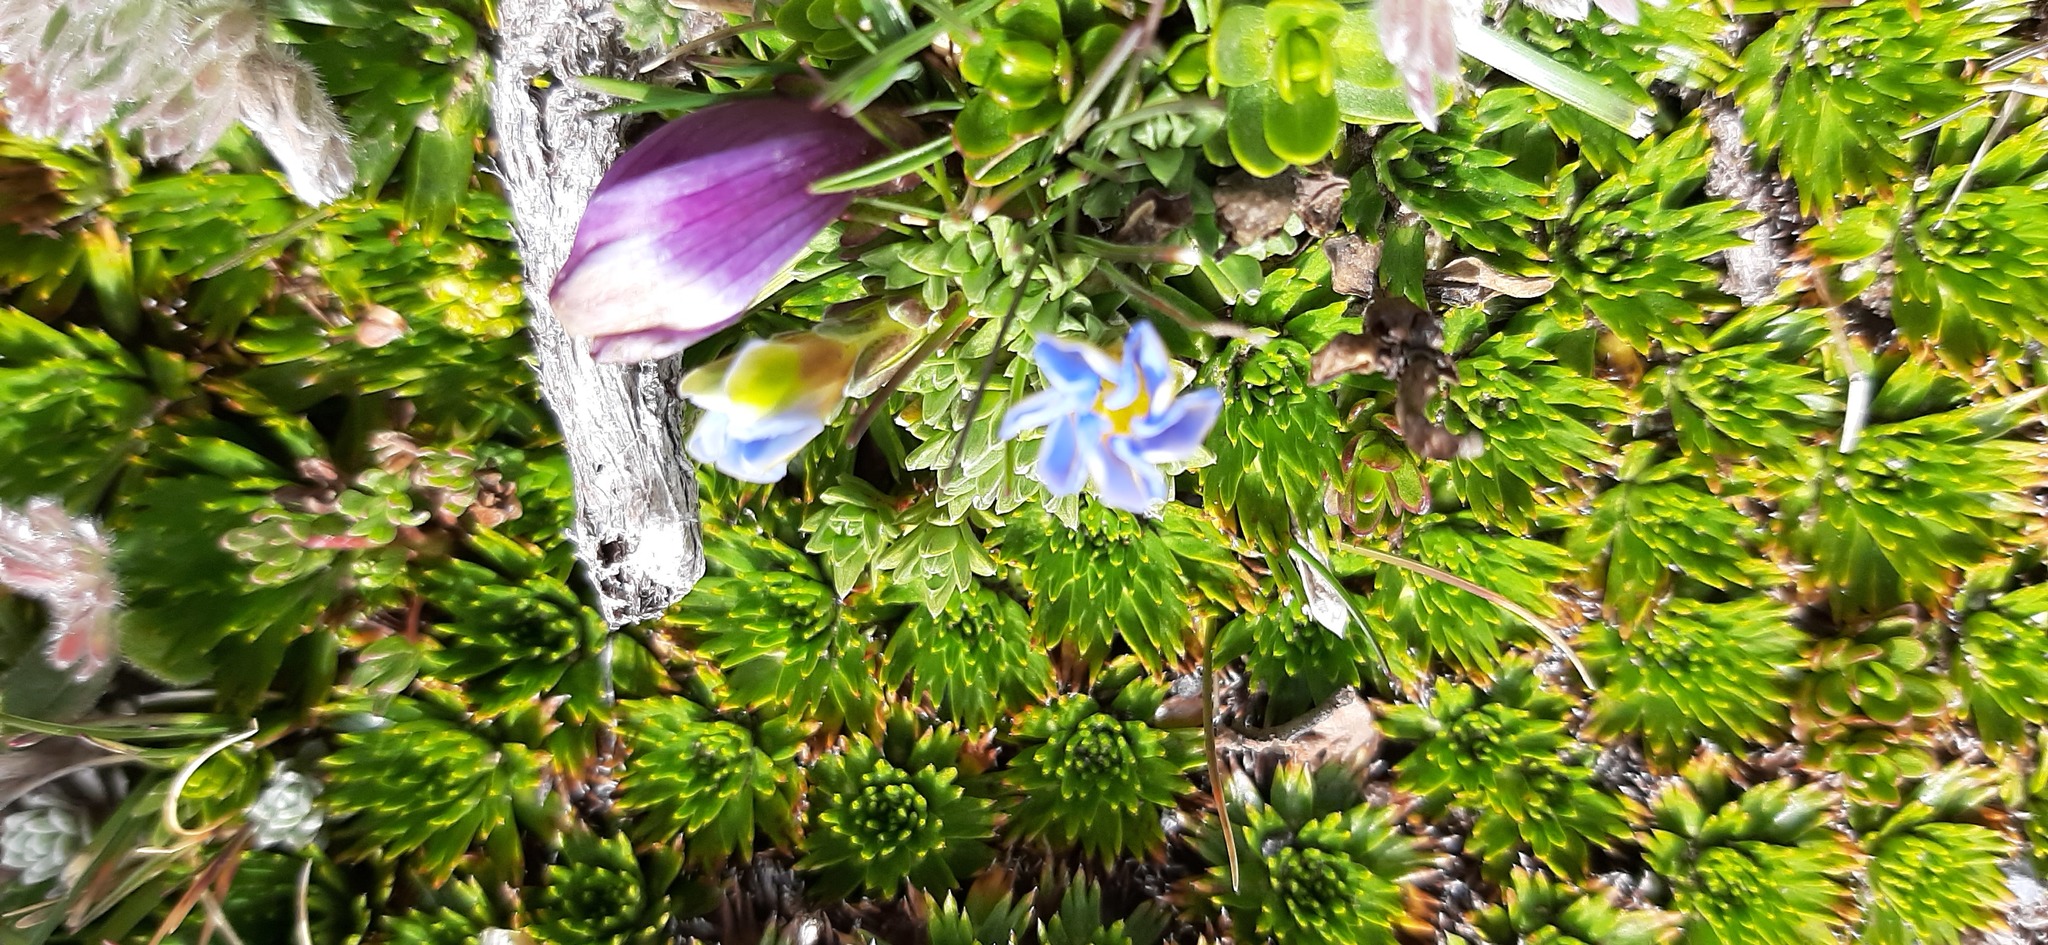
{"x":1120,"y":419}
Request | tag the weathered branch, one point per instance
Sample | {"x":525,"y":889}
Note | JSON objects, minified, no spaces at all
{"x":636,"y":527}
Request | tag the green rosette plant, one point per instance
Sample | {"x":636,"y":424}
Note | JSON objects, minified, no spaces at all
{"x":1957,"y":248}
{"x":1866,"y":703}
{"x":772,"y":625}
{"x":1098,"y":773}
{"x":1112,"y":580}
{"x":602,"y":893}
{"x":975,"y":660}
{"x":1537,"y":908}
{"x":1604,"y":261}
{"x":1801,"y":81}
{"x":1082,"y":920}
{"x":1749,"y":397}
{"x":423,"y":786}
{"x":1275,"y":442}
{"x":1291,"y":658}
{"x":1934,"y":869}
{"x":1505,"y":754}
{"x":1314,"y":861}
{"x":1925,"y":495}
{"x":1996,"y":670}
{"x":1454,"y":625}
{"x":897,"y":810}
{"x":1658,"y":531}
{"x":988,"y":915}
{"x":708,"y":780}
{"x":453,"y":914}
{"x":1762,"y":864}
{"x":1717,"y":671}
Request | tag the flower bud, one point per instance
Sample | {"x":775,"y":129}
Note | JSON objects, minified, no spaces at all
{"x":691,"y":224}
{"x":764,"y":402}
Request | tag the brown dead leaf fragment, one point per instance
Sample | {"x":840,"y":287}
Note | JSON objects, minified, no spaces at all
{"x":1354,"y":265}
{"x":1251,"y":208}
{"x":1342,"y":729}
{"x":497,"y":500}
{"x":1470,"y":270}
{"x":378,"y":326}
{"x":1153,"y":216}
{"x":1319,"y":201}
{"x":29,"y":200}
{"x":1402,"y":342}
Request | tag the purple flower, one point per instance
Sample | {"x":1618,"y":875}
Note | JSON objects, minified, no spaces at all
{"x":1112,"y":421}
{"x":1622,"y":10}
{"x":695,"y":221}
{"x":1420,"y":37}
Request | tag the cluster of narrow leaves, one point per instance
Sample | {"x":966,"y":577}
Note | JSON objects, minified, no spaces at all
{"x":1720,"y":618}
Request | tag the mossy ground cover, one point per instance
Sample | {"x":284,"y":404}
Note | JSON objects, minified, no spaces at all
{"x":1688,"y":605}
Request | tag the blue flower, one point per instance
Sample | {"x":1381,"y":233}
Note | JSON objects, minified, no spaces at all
{"x":764,"y":402}
{"x":1112,"y":421}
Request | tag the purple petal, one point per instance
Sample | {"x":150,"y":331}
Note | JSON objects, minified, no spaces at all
{"x":1420,"y":37}
{"x":1070,"y":367}
{"x":1035,"y":411}
{"x":650,"y":345}
{"x":666,"y":280}
{"x":697,"y":200}
{"x":1122,"y":479}
{"x":1623,"y":10}
{"x":726,"y":127}
{"x":1176,"y":431}
{"x":1059,"y":463}
{"x":692,"y":223}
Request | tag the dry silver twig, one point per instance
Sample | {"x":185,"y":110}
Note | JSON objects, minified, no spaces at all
{"x":636,"y":525}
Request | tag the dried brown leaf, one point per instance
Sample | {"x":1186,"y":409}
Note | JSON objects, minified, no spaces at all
{"x":1354,"y":265}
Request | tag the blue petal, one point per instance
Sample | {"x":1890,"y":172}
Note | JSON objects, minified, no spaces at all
{"x":769,"y":449}
{"x":709,"y":439}
{"x":1067,"y":366}
{"x":1176,"y":431}
{"x":1145,"y":366}
{"x":1122,"y":479}
{"x":1035,"y":411}
{"x":1059,"y":463}
{"x":758,"y":458}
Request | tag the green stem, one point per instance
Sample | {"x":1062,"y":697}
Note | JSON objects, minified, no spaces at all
{"x":1543,"y":627}
{"x":1570,"y":86}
